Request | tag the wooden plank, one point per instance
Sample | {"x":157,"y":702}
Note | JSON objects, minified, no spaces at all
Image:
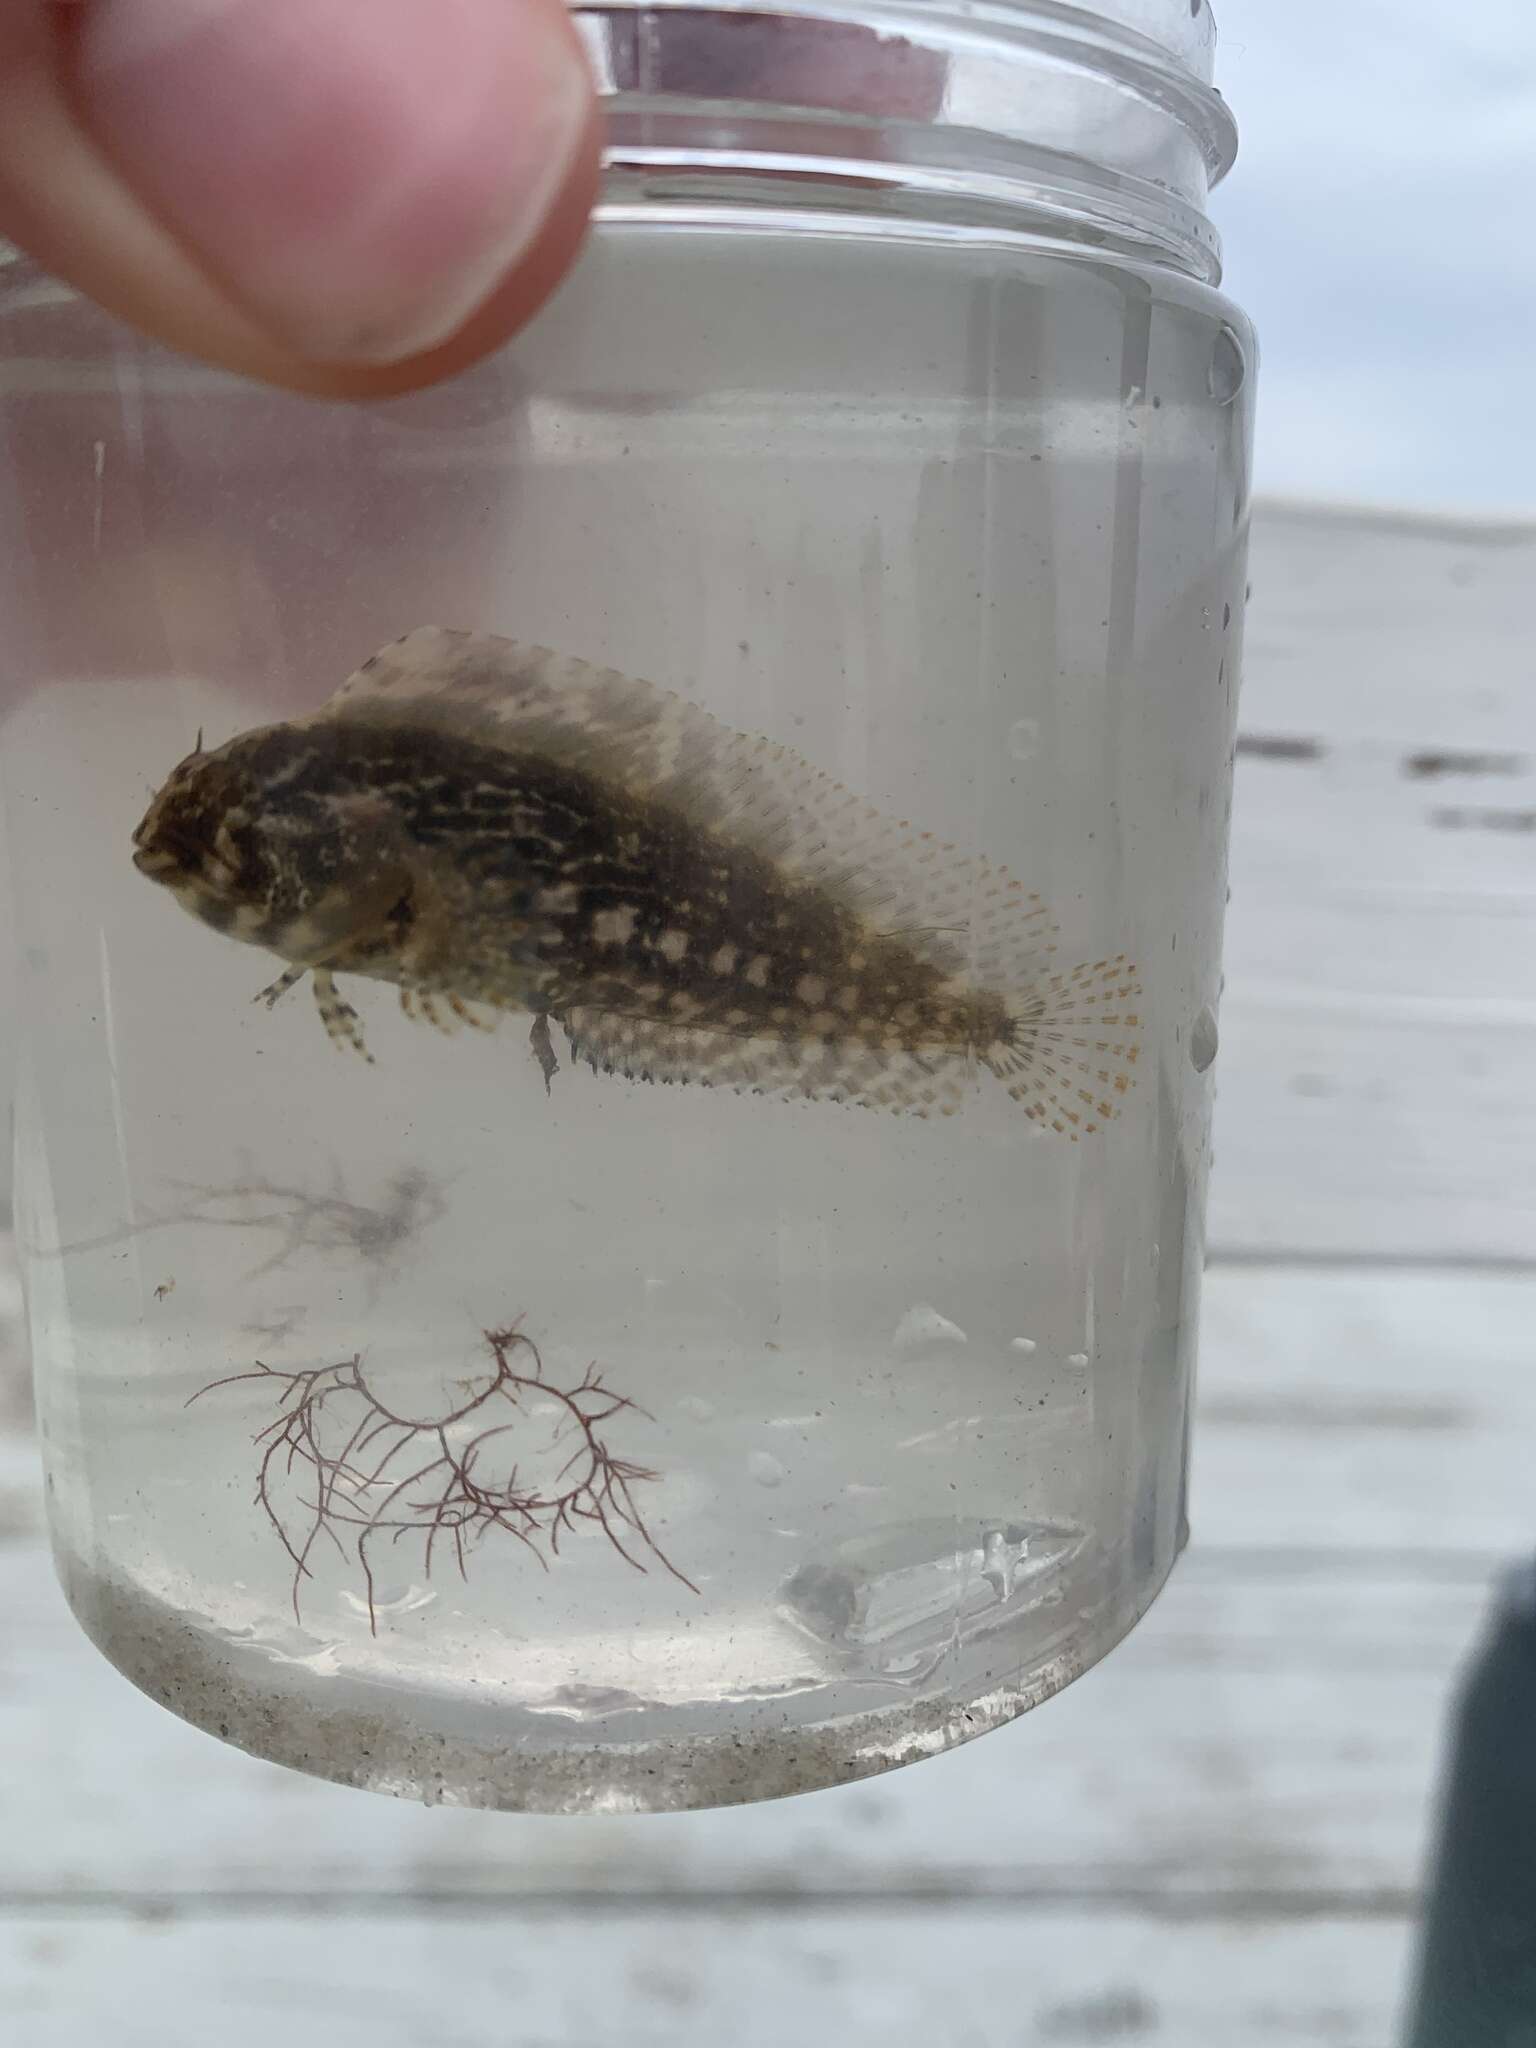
{"x":1398,"y":627}
{"x":1363,"y":1460}
{"x":1377,"y":1092}
{"x":962,"y":1977}
{"x":1385,"y":1413}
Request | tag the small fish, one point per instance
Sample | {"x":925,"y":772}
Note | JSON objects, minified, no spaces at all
{"x":491,"y":824}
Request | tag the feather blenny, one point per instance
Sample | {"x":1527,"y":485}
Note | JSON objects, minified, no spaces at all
{"x":486,"y":823}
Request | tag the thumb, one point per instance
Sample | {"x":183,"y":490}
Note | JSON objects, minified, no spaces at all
{"x":341,"y":198}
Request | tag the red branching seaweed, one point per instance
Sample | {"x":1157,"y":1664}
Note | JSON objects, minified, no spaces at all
{"x":520,"y":1454}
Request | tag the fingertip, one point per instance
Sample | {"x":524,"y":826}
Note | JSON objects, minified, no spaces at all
{"x":360,"y":180}
{"x":421,"y":286}
{"x":513,"y":303}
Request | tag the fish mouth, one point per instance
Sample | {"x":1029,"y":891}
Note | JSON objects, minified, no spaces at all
{"x":158,"y":862}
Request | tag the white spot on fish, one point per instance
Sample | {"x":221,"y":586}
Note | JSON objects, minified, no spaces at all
{"x":723,"y":959}
{"x":757,"y":973}
{"x":812,"y":990}
{"x":672,"y":945}
{"x":614,"y":927}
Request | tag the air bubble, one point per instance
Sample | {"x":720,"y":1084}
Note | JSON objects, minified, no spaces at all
{"x":924,"y":1325}
{"x":1227,"y":371}
{"x":765,"y":1469}
{"x":1024,"y":1344}
{"x":696,"y":1408}
{"x":1203,"y":1040}
{"x":997,"y":1563}
{"x":1078,"y":1359}
{"x":1024,"y":738}
{"x":391,"y":1600}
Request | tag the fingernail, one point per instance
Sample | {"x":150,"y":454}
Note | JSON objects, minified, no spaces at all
{"x":359,"y":177}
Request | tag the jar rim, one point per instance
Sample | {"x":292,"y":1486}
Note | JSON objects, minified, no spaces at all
{"x":966,"y":111}
{"x":1184,"y":30}
{"x":1132,"y":50}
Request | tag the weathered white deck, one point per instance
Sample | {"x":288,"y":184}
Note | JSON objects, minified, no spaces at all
{"x":1212,"y":1841}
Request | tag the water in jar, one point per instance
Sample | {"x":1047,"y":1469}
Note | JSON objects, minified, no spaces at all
{"x":613,"y":1445}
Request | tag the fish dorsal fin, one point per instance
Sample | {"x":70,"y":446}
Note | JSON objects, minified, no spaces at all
{"x":966,"y":916}
{"x":510,"y":695}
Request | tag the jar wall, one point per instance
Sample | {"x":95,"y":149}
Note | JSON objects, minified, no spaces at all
{"x":853,"y":1433}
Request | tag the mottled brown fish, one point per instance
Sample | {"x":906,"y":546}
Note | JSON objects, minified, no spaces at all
{"x":482,"y":822}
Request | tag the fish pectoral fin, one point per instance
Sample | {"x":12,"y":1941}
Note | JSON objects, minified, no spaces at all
{"x":476,"y":1016}
{"x":421,"y":1006}
{"x":445,"y":1011}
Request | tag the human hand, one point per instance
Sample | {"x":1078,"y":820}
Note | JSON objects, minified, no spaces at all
{"x":345,"y":197}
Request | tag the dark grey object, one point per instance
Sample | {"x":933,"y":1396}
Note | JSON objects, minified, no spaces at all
{"x":1477,"y":1964}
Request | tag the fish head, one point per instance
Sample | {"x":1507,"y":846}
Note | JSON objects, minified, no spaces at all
{"x":278,"y":839}
{"x":206,"y":839}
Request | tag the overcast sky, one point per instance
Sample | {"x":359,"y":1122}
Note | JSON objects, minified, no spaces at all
{"x":1380,"y":226}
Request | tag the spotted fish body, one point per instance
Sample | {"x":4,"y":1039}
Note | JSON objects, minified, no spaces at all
{"x":484,"y":823}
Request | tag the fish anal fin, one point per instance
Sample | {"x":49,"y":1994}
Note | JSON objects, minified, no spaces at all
{"x":872,"y":1077}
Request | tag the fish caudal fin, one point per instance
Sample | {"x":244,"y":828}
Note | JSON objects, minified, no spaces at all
{"x":1072,"y":1045}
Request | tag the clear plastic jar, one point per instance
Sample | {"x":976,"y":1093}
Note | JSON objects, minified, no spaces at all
{"x":565,"y":1440}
